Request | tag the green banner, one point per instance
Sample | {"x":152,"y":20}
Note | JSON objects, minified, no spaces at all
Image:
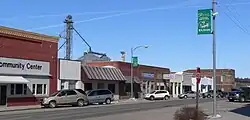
{"x":204,"y":21}
{"x":135,"y":61}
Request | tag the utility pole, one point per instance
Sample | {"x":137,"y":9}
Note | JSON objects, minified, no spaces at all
{"x":214,"y":59}
{"x":132,"y":75}
{"x":69,"y":36}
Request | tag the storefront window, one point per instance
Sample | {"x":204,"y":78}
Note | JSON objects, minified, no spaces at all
{"x":162,"y":88}
{"x":62,"y":84}
{"x":44,"y":88}
{"x":25,"y":89}
{"x":72,"y":84}
{"x":39,"y":89}
{"x":179,"y":88}
{"x":33,"y":88}
{"x":12,"y":89}
{"x":175,"y":90}
{"x":100,"y":85}
{"x":19,"y":89}
{"x":88,"y":86}
{"x":111,"y":87}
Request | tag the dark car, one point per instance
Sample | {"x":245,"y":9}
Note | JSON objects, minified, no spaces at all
{"x":242,"y":95}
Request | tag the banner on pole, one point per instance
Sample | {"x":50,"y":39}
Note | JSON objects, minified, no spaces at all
{"x":204,"y":21}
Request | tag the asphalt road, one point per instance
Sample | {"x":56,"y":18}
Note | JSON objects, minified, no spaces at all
{"x":88,"y":112}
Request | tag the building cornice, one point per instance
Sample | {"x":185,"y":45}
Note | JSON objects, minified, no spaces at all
{"x":11,"y":32}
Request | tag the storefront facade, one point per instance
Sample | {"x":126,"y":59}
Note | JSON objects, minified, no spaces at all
{"x":103,"y":78}
{"x":28,"y":63}
{"x":225,"y":78}
{"x":176,"y":83}
{"x":146,"y":78}
{"x":69,"y":74}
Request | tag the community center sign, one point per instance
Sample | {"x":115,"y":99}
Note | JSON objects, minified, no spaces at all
{"x":23,"y":67}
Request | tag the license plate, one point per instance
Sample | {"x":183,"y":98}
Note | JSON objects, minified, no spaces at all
{"x":230,"y":98}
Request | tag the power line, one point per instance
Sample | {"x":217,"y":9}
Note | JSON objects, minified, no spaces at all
{"x":131,"y":12}
{"x":65,"y":14}
{"x":58,"y":15}
{"x":239,"y":26}
{"x":233,"y":18}
{"x":84,"y":13}
{"x":61,"y":46}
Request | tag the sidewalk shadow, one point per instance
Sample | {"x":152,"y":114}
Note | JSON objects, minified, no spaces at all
{"x":243,"y":110}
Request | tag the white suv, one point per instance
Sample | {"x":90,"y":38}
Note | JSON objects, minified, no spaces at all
{"x":158,"y":94}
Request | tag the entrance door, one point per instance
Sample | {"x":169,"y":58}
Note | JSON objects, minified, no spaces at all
{"x":3,"y":94}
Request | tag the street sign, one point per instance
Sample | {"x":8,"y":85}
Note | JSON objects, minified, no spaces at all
{"x":204,"y":21}
{"x":135,"y":61}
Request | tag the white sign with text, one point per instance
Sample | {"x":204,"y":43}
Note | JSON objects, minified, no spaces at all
{"x":23,"y":67}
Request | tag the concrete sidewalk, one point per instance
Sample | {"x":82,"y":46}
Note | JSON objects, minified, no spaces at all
{"x":19,"y":108}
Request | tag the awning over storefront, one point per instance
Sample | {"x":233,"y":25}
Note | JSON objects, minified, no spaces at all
{"x":103,"y":73}
{"x":136,"y":79}
{"x":13,"y":79}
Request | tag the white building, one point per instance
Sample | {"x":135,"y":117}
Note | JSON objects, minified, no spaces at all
{"x":176,"y":82}
{"x":69,"y":75}
{"x":205,"y":85}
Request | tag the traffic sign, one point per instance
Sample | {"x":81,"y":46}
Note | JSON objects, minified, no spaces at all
{"x":204,"y":21}
{"x":135,"y":61}
{"x":198,"y":75}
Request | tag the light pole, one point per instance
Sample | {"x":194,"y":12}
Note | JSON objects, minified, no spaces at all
{"x":131,"y":74}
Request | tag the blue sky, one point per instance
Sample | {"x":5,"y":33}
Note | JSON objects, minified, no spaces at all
{"x":171,"y":33}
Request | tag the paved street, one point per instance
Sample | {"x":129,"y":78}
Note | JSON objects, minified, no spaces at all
{"x":225,"y":109}
{"x":93,"y":111}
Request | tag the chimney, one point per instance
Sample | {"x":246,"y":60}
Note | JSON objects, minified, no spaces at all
{"x":123,"y":56}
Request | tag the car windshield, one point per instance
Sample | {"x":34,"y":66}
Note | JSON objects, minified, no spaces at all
{"x":55,"y":93}
{"x":243,"y":88}
{"x":87,"y":91}
{"x":152,"y":92}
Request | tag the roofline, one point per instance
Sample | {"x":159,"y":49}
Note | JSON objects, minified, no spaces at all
{"x":126,"y":63}
{"x":212,"y":69}
{"x":10,"y":32}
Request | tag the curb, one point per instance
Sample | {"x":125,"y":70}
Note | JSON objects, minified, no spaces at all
{"x":13,"y":110}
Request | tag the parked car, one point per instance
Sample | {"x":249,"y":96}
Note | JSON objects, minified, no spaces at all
{"x":100,"y":96}
{"x":189,"y":94}
{"x":242,"y":95}
{"x":158,"y":94}
{"x":210,"y":94}
{"x":76,"y":97}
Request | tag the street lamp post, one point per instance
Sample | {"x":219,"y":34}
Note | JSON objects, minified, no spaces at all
{"x":132,"y":73}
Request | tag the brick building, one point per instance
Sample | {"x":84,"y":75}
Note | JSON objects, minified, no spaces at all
{"x":225,"y":77}
{"x":28,"y":66}
{"x":146,"y":78}
{"x":242,"y":82}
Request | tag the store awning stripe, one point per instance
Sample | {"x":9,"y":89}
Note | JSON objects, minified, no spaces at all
{"x":102,"y":73}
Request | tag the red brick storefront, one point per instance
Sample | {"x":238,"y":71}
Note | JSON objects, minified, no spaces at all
{"x":24,"y":47}
{"x":225,"y":78}
{"x":153,"y":74}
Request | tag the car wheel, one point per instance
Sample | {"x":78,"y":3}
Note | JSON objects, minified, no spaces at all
{"x":52,"y":104}
{"x":166,"y":97}
{"x":185,"y":97}
{"x":209,"y":96}
{"x":81,"y":103}
{"x":152,"y":98}
{"x":242,"y":99}
{"x":108,"y":101}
